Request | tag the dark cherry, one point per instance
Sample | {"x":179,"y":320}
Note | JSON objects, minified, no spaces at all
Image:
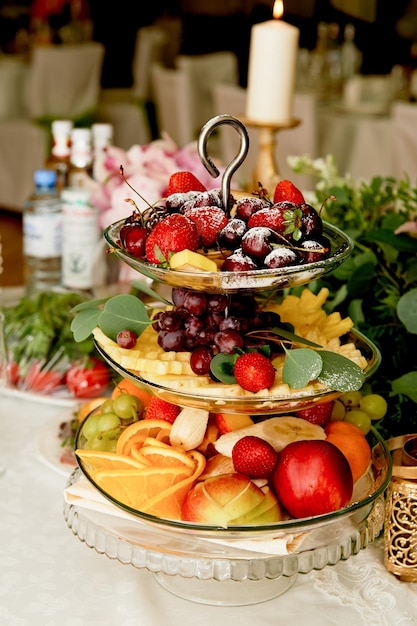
{"x":256,"y":242}
{"x":315,"y":249}
{"x":134,"y":237}
{"x":311,"y":222}
{"x":245,"y":207}
{"x":231,"y":235}
{"x":281,"y":256}
{"x":238,"y":262}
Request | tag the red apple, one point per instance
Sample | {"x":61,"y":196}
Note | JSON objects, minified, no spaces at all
{"x":312,"y":478}
{"x":230,"y":499}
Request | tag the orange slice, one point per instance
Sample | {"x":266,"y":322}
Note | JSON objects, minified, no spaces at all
{"x":167,"y":504}
{"x":136,"y":487}
{"x":101,"y":460}
{"x":135,"y":434}
{"x":167,"y":457}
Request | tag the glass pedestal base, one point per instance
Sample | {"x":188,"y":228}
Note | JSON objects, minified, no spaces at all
{"x":226,"y":592}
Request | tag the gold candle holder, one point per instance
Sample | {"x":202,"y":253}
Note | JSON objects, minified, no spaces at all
{"x":266,"y":169}
{"x":400,"y":528}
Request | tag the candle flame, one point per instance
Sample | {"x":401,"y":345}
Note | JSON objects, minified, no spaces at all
{"x":278,"y":10}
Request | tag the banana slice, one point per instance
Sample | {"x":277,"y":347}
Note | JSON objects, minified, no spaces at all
{"x":279,"y":431}
{"x":189,"y":428}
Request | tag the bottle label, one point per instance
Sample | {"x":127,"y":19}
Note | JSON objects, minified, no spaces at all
{"x":42,"y":235}
{"x":80,"y":236}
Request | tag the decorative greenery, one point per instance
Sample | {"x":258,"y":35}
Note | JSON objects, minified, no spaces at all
{"x":377,"y":285}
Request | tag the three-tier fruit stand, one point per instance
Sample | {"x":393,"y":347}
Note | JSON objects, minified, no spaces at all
{"x":248,"y":564}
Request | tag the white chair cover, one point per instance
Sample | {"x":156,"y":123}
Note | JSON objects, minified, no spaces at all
{"x":300,"y":140}
{"x":201,"y":73}
{"x":172,"y":108}
{"x":404,"y":137}
{"x":13,"y":76}
{"x":64,"y":80}
{"x":151,"y":43}
{"x":23,"y":149}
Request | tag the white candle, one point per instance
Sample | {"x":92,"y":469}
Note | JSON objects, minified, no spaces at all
{"x":272,"y":69}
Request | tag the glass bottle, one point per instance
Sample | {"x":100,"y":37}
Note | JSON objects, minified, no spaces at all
{"x":61,"y":151}
{"x":42,"y":234}
{"x":81,"y":158}
{"x":102,"y":134}
{"x":80,"y":238}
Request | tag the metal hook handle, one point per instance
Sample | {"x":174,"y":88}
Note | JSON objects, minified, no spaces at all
{"x":206,"y":131}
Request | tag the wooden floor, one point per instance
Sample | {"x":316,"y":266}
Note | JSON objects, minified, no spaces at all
{"x":11,"y":241}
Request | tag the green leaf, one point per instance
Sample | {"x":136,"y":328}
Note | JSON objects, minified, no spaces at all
{"x":141,"y":286}
{"x":90,"y":304}
{"x":340,"y":373}
{"x":399,"y":242}
{"x":222,"y":367}
{"x":124,"y":312}
{"x":300,"y":366}
{"x":406,"y":385}
{"x":282,"y":332}
{"x":84,"y":323}
{"x":407,"y":310}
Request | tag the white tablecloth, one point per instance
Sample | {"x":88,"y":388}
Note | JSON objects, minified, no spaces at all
{"x":48,"y":577}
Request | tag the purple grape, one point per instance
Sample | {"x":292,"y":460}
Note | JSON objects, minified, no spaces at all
{"x":195,"y":302}
{"x":200,"y":360}
{"x":227,"y":340}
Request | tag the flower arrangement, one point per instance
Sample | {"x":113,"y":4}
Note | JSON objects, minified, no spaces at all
{"x":147,"y":169}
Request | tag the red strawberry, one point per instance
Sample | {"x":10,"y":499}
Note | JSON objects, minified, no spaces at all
{"x":286,"y":190}
{"x":254,"y":457}
{"x":319,"y":414}
{"x":183,"y":182}
{"x":159,"y":409}
{"x":254,"y":371}
{"x":209,"y":221}
{"x":270,"y":217}
{"x":172,"y":234}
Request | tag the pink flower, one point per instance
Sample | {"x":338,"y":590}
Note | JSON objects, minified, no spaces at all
{"x":146,"y":171}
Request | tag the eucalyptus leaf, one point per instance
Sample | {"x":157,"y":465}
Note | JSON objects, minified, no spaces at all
{"x":84,"y":323}
{"x":124,"y":312}
{"x":407,"y":310}
{"x":90,"y":304}
{"x":340,"y":373}
{"x":222,"y":366}
{"x":141,"y":286}
{"x":301,"y":365}
{"x":406,"y":385}
{"x":282,"y":332}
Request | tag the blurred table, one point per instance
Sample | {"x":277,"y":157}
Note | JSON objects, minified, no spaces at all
{"x":49,"y":577}
{"x":362,"y":143}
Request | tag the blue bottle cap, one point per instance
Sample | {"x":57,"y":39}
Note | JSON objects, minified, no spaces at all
{"x":45,"y":178}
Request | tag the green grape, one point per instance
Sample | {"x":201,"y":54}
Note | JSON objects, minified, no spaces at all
{"x":107,"y":421}
{"x":90,"y":426}
{"x":360,"y":419}
{"x":374,"y":405}
{"x":100,"y":443}
{"x":112,"y":434}
{"x":338,"y":411}
{"x":107,"y":407}
{"x":127,"y":406}
{"x":351,"y":398}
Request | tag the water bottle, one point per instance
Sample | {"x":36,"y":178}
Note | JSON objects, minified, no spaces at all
{"x":42,"y":234}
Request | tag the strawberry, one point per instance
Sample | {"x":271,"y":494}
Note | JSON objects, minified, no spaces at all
{"x":273,"y":217}
{"x":159,"y":409}
{"x":172,"y":234}
{"x":286,"y":190}
{"x":183,"y":182}
{"x":209,"y":221}
{"x":319,"y":414}
{"x":254,"y":457}
{"x":254,"y":371}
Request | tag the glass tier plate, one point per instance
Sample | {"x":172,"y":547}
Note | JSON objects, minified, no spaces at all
{"x":187,"y":557}
{"x":256,"y":404}
{"x":233,"y":282}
